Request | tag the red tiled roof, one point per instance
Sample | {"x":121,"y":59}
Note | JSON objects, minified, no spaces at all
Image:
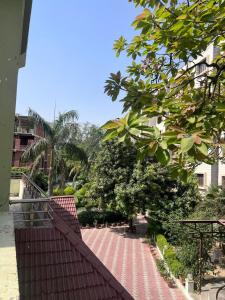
{"x":65,"y":208}
{"x":54,"y":263}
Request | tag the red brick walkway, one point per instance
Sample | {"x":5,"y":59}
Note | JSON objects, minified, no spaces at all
{"x":130,"y":260}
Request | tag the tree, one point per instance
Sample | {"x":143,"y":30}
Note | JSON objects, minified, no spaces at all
{"x":160,"y":82}
{"x":89,"y":137}
{"x":110,"y":175}
{"x":57,"y":143}
{"x":120,"y":182}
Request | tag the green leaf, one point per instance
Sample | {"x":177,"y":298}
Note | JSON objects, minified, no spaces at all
{"x":163,"y":156}
{"x":110,"y":136}
{"x":220,"y":107}
{"x":113,"y":124}
{"x":203,"y":149}
{"x":119,"y":45}
{"x":191,"y":120}
{"x":182,"y":17}
{"x":187,"y":144}
{"x":163,"y":144}
{"x":183,"y":174}
{"x":153,"y":148}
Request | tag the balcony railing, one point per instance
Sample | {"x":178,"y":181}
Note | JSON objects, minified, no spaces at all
{"x":32,"y":212}
{"x":34,"y":190}
{"x":35,"y":211}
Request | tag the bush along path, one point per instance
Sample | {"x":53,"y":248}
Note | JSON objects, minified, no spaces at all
{"x":130,"y":259}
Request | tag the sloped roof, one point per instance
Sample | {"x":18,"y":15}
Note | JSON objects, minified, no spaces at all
{"x":54,"y":263}
{"x":65,"y":208}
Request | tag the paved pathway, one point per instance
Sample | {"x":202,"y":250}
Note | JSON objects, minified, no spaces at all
{"x":130,"y":260}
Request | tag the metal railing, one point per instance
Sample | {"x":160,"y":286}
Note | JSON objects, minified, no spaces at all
{"x":36,"y":211}
{"x":220,"y":289}
{"x":33,"y":212}
{"x":34,"y":190}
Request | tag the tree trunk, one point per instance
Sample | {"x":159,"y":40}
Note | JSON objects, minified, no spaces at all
{"x":130,"y":224}
{"x":62,"y":180}
{"x":50,"y":173}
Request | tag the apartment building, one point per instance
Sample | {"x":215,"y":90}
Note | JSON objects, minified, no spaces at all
{"x":25,"y":133}
{"x":206,"y":174}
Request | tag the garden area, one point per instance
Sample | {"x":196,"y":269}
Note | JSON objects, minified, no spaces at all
{"x":111,"y":184}
{"x":144,"y":161}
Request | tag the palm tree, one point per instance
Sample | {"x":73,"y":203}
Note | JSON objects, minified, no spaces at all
{"x":57,"y":143}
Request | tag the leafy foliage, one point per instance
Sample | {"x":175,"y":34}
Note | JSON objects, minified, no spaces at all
{"x":19,"y":170}
{"x":58,"y":143}
{"x":112,"y":172}
{"x":118,"y":181}
{"x":162,"y":268}
{"x":161,"y":83}
{"x":41,"y":180}
{"x":58,"y":191}
{"x":69,"y":190}
{"x":99,"y":217}
{"x":170,"y":256}
{"x":88,"y":138}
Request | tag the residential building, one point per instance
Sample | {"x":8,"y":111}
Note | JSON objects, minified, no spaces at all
{"x":25,"y":133}
{"x":206,"y":174}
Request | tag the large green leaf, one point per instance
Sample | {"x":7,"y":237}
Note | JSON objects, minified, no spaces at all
{"x":111,"y":124}
{"x":203,"y":149}
{"x":187,"y":144}
{"x":163,"y":156}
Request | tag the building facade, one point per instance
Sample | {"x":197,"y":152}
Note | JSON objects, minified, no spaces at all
{"x":208,"y":175}
{"x":25,"y":134}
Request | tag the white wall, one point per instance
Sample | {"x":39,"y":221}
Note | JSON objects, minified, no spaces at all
{"x":221,"y":171}
{"x":204,"y":169}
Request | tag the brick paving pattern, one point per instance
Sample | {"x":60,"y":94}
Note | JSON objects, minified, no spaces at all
{"x":130,"y":260}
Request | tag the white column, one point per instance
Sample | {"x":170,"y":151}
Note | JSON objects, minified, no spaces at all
{"x":11,"y":26}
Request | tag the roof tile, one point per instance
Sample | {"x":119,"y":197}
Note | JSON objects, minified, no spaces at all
{"x":54,"y":263}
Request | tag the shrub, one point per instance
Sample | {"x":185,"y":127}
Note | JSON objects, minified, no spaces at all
{"x":41,"y":180}
{"x":162,"y":268}
{"x":169,"y":254}
{"x":161,"y":242}
{"x":170,"y":257}
{"x":90,"y":217}
{"x":58,"y":192}
{"x":69,"y":190}
{"x":81,"y":196}
{"x":19,"y":170}
{"x":154,"y":227}
{"x":89,"y":204}
{"x":81,"y":193}
{"x":177,"y":268}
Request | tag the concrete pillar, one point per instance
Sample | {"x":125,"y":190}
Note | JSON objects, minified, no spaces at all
{"x":14,"y":24}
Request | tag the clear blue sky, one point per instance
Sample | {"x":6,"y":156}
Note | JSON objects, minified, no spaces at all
{"x":70,"y":56}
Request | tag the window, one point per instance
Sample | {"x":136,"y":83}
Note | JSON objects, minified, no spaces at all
{"x":200,"y":178}
{"x":201,"y":67}
{"x":23,"y":141}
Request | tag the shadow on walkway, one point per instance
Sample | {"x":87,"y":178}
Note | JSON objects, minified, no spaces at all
{"x":140,"y":225}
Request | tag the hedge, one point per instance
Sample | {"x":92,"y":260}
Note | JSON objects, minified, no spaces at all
{"x":58,"y":192}
{"x":69,"y":190}
{"x":98,"y":217}
{"x":170,"y":257}
{"x":19,"y":170}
